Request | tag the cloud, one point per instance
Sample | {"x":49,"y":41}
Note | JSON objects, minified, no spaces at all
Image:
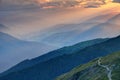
{"x":117,"y":1}
{"x":16,"y":4}
{"x":72,"y":3}
{"x":52,"y":3}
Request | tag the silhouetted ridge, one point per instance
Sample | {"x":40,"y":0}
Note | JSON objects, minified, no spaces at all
{"x":50,"y":69}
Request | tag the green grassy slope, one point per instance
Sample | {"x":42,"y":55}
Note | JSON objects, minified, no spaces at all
{"x":92,"y":71}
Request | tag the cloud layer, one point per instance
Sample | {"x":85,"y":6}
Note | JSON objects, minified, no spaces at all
{"x":52,"y":3}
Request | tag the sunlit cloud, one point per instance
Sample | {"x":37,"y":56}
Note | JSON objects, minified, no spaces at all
{"x":72,"y":3}
{"x":55,"y":3}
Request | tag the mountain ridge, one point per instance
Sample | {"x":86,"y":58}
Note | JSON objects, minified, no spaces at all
{"x":18,"y":49}
{"x":55,"y":53}
{"x":57,"y":66}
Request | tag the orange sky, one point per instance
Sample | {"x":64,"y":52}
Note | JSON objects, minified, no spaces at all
{"x":43,"y":1}
{"x":24,"y":23}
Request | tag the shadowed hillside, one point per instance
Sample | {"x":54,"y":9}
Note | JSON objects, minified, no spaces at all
{"x":95,"y":71}
{"x":59,"y":52}
{"x":54,"y":67}
{"x":13,"y":50}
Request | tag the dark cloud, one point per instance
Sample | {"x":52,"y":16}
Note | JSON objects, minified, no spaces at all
{"x":117,"y":1}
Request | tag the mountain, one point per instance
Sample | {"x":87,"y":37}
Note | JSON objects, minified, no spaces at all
{"x":65,"y":50}
{"x":13,"y":50}
{"x":96,"y":69}
{"x":102,"y":29}
{"x":50,"y":69}
{"x":69,"y":34}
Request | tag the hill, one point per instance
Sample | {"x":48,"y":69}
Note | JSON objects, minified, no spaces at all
{"x":65,"y":50}
{"x":54,"y":67}
{"x":13,"y":50}
{"x":69,"y":34}
{"x":96,"y":69}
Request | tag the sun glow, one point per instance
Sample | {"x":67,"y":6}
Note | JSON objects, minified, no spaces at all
{"x":108,"y":1}
{"x":73,"y":3}
{"x":43,"y":1}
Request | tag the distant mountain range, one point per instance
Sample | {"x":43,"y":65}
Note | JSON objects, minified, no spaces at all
{"x":13,"y":50}
{"x":57,"y":65}
{"x":69,"y":34}
{"x":93,"y":71}
{"x":65,"y":50}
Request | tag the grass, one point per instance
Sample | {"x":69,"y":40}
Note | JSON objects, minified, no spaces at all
{"x":91,"y":71}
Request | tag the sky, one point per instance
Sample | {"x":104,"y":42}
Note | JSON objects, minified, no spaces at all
{"x":22,"y":23}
